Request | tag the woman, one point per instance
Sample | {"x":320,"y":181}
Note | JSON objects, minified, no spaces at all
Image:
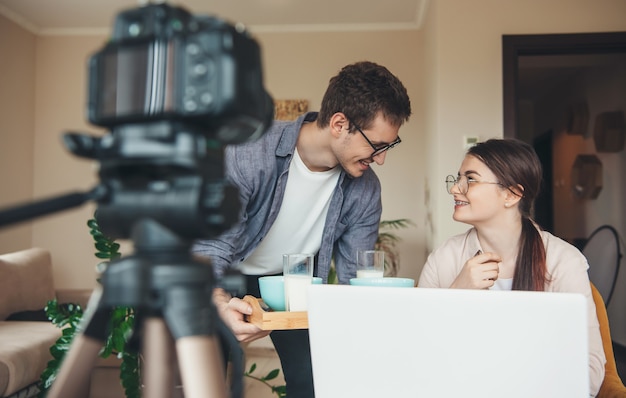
{"x":494,"y":192}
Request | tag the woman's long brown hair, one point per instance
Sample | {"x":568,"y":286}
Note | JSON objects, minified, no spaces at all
{"x":517,"y":168}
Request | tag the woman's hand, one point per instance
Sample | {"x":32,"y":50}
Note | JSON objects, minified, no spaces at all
{"x":479,"y":272}
{"x":232,"y":310}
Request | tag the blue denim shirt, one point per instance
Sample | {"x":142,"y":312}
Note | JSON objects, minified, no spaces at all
{"x":259,"y":169}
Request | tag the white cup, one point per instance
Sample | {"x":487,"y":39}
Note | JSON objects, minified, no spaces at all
{"x":370,"y":263}
{"x":298,"y":273}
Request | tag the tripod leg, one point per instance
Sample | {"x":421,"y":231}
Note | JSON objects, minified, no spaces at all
{"x":201,"y":367}
{"x":74,"y":376}
{"x":75,"y":373}
{"x":158,"y":359}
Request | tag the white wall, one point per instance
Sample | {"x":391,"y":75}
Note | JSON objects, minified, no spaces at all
{"x":17,"y":103}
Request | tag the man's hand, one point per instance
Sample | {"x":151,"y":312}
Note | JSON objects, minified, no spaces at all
{"x":232,"y":311}
{"x":479,"y":272}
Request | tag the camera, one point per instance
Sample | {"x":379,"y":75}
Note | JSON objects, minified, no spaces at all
{"x":163,"y":63}
{"x":173,"y":89}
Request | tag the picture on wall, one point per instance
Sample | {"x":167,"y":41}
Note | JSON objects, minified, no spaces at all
{"x":290,"y":109}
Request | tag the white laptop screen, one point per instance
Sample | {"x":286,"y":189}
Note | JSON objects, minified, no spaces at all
{"x":382,"y":342}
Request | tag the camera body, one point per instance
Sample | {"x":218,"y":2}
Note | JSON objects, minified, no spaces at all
{"x":173,"y":89}
{"x":163,"y":63}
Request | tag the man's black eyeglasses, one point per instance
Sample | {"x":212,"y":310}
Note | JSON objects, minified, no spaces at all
{"x":378,"y":149}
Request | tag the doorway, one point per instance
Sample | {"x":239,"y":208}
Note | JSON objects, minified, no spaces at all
{"x":560,"y":83}
{"x":516,"y":46}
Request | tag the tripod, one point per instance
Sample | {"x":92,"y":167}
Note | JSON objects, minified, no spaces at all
{"x":172,"y":296}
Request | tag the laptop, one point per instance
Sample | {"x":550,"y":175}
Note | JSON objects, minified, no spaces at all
{"x":403,"y":342}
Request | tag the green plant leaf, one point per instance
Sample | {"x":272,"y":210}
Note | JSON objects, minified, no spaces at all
{"x":272,"y":375}
{"x":102,"y":246}
{"x":278,"y":390}
{"x":281,"y":391}
{"x":332,"y":276}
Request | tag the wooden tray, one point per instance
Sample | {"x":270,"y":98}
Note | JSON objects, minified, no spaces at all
{"x":275,"y":320}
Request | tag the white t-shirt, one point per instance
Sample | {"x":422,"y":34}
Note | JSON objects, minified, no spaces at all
{"x":300,"y":222}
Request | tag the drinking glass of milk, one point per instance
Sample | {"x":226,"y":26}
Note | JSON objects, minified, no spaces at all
{"x":298,"y":275}
{"x":370,"y":263}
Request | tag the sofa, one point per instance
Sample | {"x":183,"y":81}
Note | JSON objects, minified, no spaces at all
{"x":26,"y":285}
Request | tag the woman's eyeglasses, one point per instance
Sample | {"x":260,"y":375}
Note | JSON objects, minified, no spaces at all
{"x":462,"y":182}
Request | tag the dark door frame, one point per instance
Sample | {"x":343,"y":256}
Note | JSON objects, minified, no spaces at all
{"x":577,"y":43}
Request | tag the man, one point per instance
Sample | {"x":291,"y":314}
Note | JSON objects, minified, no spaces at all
{"x":307,"y":186}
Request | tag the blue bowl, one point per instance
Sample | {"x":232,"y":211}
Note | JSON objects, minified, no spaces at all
{"x":273,"y":290}
{"x":385,"y":281}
